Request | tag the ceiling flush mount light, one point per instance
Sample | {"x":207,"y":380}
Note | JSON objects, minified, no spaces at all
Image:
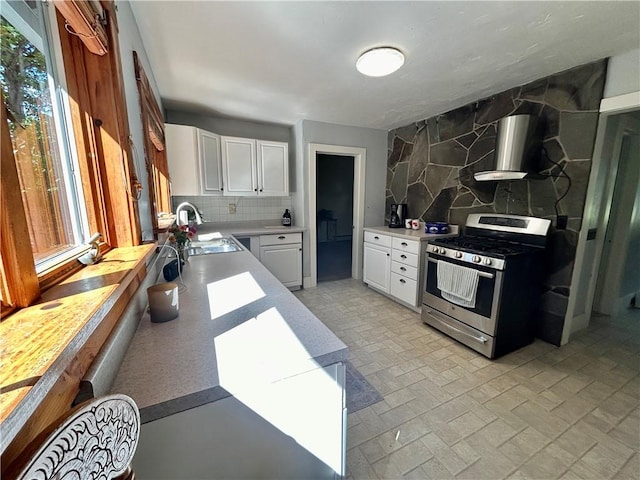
{"x":379,"y":62}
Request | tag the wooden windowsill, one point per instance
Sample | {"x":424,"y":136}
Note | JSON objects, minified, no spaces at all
{"x":39,"y":344}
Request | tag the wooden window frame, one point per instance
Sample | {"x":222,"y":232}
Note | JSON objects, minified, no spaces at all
{"x":154,"y":145}
{"x":102,"y":143}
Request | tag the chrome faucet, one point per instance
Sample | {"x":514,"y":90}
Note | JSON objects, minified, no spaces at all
{"x":182,"y":206}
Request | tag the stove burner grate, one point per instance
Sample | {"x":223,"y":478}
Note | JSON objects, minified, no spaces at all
{"x":484,"y":245}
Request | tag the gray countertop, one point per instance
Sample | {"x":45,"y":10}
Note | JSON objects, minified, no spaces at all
{"x":412,"y":234}
{"x":238,"y":328}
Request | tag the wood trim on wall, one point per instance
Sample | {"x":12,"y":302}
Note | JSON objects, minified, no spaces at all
{"x":82,"y":20}
{"x":154,"y":145}
{"x":99,"y":116}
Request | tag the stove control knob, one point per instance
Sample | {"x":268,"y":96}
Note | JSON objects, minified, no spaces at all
{"x":442,"y":251}
{"x":435,"y":249}
{"x":458,"y":254}
{"x":487,"y":261}
{"x":476,"y":259}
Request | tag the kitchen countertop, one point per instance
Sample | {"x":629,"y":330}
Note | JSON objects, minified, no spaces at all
{"x":238,"y":328}
{"x":412,"y":234}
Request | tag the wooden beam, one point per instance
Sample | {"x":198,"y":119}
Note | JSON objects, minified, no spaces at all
{"x":81,"y":20}
{"x":18,"y":266}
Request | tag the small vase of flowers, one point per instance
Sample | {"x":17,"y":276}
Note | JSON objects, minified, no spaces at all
{"x":180,"y":237}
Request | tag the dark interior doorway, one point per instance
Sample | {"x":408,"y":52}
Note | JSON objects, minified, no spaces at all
{"x":334,"y":215}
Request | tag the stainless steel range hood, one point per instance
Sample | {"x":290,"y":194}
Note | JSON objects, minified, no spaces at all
{"x":516,"y":147}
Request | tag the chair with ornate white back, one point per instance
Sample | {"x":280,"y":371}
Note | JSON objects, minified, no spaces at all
{"x":94,"y":440}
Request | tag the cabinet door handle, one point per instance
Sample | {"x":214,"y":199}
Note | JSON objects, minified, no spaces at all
{"x":255,"y":189}
{"x":299,"y":249}
{"x":281,"y":237}
{"x":403,"y":269}
{"x":387,"y":254}
{"x":404,"y":244}
{"x":402,"y":280}
{"x":403,"y":256}
{"x":260,"y":189}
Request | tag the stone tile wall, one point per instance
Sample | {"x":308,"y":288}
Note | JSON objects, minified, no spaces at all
{"x":431,"y":165}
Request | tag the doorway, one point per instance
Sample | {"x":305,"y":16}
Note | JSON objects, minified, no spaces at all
{"x":605,"y":275}
{"x":359,"y":156}
{"x":618,"y":282}
{"x":334,"y":216}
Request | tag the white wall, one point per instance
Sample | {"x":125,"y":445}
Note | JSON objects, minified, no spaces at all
{"x":130,"y":40}
{"x":623,"y":74}
{"x":373,"y":140}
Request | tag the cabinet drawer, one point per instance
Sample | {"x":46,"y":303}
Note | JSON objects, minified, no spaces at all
{"x":377,"y":238}
{"x":404,"y":270}
{"x":280,"y":238}
{"x":405,"y":245}
{"x":405,"y":257}
{"x":404,"y":289}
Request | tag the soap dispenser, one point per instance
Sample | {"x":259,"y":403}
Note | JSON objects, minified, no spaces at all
{"x":286,"y":218}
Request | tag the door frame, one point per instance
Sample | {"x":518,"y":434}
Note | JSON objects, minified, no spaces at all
{"x":596,"y":203}
{"x":359,"y":161}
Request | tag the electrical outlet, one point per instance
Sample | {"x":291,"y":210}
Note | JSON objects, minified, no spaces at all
{"x":232,"y":208}
{"x":561,"y":222}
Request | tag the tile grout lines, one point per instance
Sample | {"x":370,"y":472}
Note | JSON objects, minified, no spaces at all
{"x":541,"y":412}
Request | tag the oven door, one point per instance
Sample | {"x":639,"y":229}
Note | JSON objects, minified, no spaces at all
{"x":483,"y":316}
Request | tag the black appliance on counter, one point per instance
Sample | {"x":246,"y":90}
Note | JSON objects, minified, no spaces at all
{"x":503,"y":254}
{"x":398,"y":215}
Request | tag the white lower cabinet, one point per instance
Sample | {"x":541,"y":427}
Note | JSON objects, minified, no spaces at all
{"x":393,"y":265}
{"x":282,"y":255}
{"x":377,"y":262}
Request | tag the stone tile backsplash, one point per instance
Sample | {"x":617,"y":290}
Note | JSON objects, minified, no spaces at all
{"x":431,"y":165}
{"x":216,"y":209}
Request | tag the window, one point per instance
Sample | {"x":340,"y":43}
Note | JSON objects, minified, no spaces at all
{"x":31,"y":90}
{"x":67,"y":168}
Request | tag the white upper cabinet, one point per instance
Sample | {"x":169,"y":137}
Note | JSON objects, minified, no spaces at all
{"x":210,"y":163}
{"x":182,"y":158}
{"x":273,"y":168}
{"x":193,"y":156}
{"x":239,"y":166}
{"x":255,"y":167}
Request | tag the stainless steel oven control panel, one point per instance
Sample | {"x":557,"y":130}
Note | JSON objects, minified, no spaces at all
{"x":472,"y":258}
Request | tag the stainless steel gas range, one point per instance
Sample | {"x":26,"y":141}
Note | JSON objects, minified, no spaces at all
{"x":483,"y":288}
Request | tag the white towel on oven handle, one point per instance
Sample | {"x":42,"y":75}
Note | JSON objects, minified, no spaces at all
{"x":458,"y":284}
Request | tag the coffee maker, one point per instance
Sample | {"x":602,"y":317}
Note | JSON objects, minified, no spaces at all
{"x":398,"y":215}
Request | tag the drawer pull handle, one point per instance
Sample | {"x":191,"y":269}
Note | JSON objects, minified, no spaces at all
{"x":403,"y":269}
{"x":376,"y":238}
{"x":480,"y":273}
{"x":403,"y":256}
{"x":402,"y":280}
{"x":480,"y":339}
{"x":404,"y":244}
{"x":281,"y":237}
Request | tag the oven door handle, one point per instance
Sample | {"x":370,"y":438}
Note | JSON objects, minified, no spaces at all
{"x":480,"y":272}
{"x":480,"y":339}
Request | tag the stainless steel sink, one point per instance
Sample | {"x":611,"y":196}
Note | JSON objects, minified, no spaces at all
{"x":217,"y":245}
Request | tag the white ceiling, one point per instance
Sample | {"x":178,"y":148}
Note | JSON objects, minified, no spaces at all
{"x":286,"y":61}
